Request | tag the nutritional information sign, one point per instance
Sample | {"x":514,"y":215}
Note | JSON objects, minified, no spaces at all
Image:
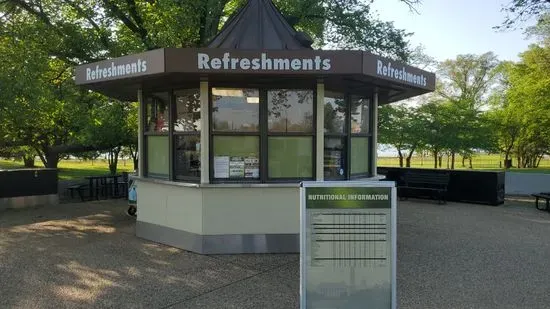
{"x":348,"y":245}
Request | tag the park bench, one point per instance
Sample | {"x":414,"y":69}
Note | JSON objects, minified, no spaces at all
{"x":432,"y":183}
{"x":544,"y":196}
{"x":79,"y":188}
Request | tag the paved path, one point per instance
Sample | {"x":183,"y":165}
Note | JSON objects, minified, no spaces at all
{"x":85,"y":255}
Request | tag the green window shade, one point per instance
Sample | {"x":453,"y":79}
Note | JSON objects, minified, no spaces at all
{"x":359,"y":155}
{"x":236,"y":157}
{"x":290,"y":157}
{"x":157,"y":156}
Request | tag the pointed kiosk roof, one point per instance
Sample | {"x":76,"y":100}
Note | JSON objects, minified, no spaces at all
{"x":259,"y":25}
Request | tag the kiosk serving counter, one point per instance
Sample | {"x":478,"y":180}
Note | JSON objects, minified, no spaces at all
{"x":227,"y":132}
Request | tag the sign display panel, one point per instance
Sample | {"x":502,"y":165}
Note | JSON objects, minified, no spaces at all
{"x":348,"y":240}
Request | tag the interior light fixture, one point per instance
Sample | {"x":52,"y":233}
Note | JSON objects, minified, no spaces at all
{"x":227,"y":92}
{"x":253,"y":100}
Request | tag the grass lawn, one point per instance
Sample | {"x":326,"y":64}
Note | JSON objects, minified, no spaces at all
{"x":479,"y":162}
{"x":73,"y":169}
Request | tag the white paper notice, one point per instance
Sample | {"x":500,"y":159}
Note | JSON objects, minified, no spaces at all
{"x":221,"y":167}
{"x":251,"y":167}
{"x":236,"y":167}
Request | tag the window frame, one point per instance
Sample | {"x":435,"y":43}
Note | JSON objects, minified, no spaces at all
{"x":348,"y":135}
{"x":343,"y":135}
{"x":263,"y":134}
{"x":171,"y":133}
{"x":146,"y":133}
{"x":174,"y":133}
{"x":367,"y":135}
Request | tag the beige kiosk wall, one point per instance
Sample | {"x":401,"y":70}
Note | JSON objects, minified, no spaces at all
{"x":174,"y":207}
{"x":251,"y":211}
{"x":212,"y":220}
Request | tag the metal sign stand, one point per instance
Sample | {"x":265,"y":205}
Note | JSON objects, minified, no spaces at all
{"x":348,"y":245}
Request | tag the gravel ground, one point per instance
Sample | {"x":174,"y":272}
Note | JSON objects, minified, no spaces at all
{"x":85,"y":255}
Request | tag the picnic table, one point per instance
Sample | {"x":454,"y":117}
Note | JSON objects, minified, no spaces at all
{"x":102,"y":186}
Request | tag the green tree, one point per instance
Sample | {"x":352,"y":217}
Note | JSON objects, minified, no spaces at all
{"x":464,"y":84}
{"x":109,"y":129}
{"x":41,"y":41}
{"x":400,"y":126}
{"x":39,"y":105}
{"x":519,"y":11}
{"x":527,"y":96}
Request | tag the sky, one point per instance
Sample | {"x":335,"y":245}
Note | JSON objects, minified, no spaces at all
{"x":447,"y":28}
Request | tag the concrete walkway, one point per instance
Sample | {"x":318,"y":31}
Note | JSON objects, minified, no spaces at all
{"x":85,"y":255}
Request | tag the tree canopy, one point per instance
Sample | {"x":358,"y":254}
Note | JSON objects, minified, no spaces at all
{"x":42,"y":40}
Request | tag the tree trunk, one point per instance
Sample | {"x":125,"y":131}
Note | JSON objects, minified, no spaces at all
{"x":538,"y":160}
{"x":400,"y":158}
{"x":52,"y":159}
{"x":440,"y":160}
{"x":134,"y":154}
{"x":470,"y":159}
{"x":29,"y":161}
{"x":435,"y":154}
{"x":463,"y":161}
{"x":452,"y":160}
{"x":408,"y":161}
{"x":113,"y":160}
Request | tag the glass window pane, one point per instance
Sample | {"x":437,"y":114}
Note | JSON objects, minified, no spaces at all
{"x":335,"y":157}
{"x":290,"y":157}
{"x":335,"y":113}
{"x":236,"y":157}
{"x":157,"y":156}
{"x":235,"y":110}
{"x":290,"y":110}
{"x":156,"y":109}
{"x":359,"y":155}
{"x":188,"y":110}
{"x":359,"y":115}
{"x":187,"y":156}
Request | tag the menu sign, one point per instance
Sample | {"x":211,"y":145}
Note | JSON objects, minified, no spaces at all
{"x":236,"y":167}
{"x":251,"y":167}
{"x":348,"y":245}
{"x":221,"y":167}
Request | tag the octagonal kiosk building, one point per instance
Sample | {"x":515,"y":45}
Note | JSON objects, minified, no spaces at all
{"x":227,"y":132}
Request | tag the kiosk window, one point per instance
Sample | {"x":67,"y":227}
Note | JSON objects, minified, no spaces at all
{"x":235,"y":110}
{"x":335,"y":158}
{"x":235,"y":130}
{"x":335,"y":113}
{"x":187,"y":139}
{"x":157,"y":119}
{"x":359,"y":155}
{"x":236,"y":157}
{"x":336,"y":135}
{"x":359,"y":115}
{"x":290,"y":110}
{"x":157,"y":125}
{"x":188,"y":111}
{"x":157,"y":156}
{"x":290,"y":157}
{"x":187,"y":156}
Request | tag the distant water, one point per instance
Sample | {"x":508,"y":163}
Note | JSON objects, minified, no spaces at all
{"x":386,"y":151}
